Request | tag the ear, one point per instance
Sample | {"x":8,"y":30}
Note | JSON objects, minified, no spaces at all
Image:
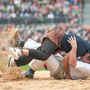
{"x":86,"y":55}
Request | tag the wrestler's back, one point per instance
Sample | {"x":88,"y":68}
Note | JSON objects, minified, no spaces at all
{"x":82,"y":45}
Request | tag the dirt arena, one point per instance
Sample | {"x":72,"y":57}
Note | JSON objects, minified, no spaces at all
{"x":10,"y":80}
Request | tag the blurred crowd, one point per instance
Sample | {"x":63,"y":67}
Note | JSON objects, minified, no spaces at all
{"x":50,"y":9}
{"x":41,"y":8}
{"x":36,"y":32}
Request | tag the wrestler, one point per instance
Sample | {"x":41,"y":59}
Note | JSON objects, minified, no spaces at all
{"x":51,"y":43}
{"x":55,"y":65}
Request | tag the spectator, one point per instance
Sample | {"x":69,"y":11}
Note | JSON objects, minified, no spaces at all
{"x":50,"y":15}
{"x":41,"y":8}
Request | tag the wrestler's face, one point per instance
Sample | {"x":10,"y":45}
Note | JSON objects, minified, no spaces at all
{"x":86,"y":58}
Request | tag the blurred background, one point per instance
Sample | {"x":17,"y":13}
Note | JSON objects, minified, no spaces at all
{"x":34,"y":18}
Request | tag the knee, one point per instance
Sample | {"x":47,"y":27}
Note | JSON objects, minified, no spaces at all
{"x":44,"y":58}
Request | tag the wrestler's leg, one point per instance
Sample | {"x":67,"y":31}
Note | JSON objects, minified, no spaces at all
{"x":51,"y":63}
{"x":36,"y":64}
{"x":42,"y":54}
{"x":54,"y":65}
{"x":81,"y":71}
{"x":23,"y":60}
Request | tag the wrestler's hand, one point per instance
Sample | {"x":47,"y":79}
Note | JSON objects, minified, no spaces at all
{"x":73,"y":42}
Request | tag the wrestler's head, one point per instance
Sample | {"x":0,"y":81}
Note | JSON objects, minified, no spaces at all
{"x":86,"y":58}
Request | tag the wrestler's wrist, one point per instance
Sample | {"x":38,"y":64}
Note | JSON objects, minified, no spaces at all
{"x":74,"y":47}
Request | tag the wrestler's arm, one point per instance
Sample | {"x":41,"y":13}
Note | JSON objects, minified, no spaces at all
{"x":70,"y":58}
{"x":66,"y":66}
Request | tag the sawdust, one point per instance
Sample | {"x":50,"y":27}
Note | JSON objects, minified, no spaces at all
{"x":8,"y":38}
{"x":43,"y":81}
{"x":10,"y":74}
{"x":3,"y":69}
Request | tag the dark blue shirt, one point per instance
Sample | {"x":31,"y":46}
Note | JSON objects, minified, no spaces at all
{"x":82,"y":45}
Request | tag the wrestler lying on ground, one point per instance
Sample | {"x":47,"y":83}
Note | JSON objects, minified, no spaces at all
{"x":51,"y":43}
{"x":55,"y":65}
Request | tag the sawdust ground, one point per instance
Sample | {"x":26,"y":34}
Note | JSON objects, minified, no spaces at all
{"x":13,"y":80}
